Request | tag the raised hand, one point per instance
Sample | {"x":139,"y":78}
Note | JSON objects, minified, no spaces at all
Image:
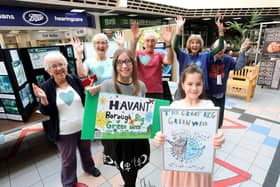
{"x":40,"y":93}
{"x":180,"y":22}
{"x":166,"y":34}
{"x":135,"y":31}
{"x":245,"y":45}
{"x":219,"y":22}
{"x":93,"y":89}
{"x":119,"y":38}
{"x":78,"y":47}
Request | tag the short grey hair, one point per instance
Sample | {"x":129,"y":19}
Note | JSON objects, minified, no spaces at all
{"x":100,"y":35}
{"x":150,"y":33}
{"x":216,"y":43}
{"x":53,"y":55}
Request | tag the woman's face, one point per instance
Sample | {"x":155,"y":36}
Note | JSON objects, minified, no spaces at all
{"x":195,"y":46}
{"x":124,"y":67}
{"x":149,"y":43}
{"x":100,"y":46}
{"x":57,"y":69}
{"x":193,"y":86}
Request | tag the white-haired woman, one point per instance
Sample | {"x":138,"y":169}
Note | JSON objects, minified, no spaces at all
{"x":100,"y":65}
{"x":61,"y":96}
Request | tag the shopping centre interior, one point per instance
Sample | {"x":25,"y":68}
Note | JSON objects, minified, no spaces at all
{"x":250,"y":156}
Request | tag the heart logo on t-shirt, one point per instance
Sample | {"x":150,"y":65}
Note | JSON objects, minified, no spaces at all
{"x":144,"y":59}
{"x":67,"y":97}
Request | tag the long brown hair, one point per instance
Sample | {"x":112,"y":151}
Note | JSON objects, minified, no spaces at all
{"x":190,"y":69}
{"x":134,"y":76}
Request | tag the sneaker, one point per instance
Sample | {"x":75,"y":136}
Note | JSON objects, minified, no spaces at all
{"x":95,"y":172}
{"x":81,"y":185}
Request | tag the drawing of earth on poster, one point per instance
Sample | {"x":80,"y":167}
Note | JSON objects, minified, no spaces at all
{"x":188,"y":139}
{"x":122,"y":116}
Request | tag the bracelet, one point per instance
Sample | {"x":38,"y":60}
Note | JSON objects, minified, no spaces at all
{"x":168,"y":46}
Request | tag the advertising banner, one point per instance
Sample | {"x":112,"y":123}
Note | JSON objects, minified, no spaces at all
{"x":19,"y":16}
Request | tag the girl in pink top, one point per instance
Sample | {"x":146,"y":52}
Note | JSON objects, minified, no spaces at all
{"x":192,"y":92}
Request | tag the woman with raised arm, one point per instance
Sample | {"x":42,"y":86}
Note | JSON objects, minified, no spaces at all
{"x":195,"y":45}
{"x":99,"y":65}
{"x":149,"y":62}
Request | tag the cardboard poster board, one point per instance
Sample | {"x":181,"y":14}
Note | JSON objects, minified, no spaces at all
{"x":115,"y":116}
{"x":189,"y":136}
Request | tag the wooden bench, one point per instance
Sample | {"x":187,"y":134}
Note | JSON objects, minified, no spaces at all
{"x":243,"y":82}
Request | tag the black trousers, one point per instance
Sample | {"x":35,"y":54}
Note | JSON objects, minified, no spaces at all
{"x":129,"y":178}
{"x":155,"y":95}
{"x":220,"y":102}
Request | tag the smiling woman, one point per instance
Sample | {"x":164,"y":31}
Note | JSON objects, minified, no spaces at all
{"x":61,"y":96}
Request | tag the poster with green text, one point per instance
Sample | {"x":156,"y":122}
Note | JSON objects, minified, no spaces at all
{"x":116,"y":116}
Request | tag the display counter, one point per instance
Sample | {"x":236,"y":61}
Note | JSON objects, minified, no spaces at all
{"x":7,"y":126}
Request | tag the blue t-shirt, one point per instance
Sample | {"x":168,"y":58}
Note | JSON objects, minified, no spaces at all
{"x":200,"y":60}
{"x":102,"y":69}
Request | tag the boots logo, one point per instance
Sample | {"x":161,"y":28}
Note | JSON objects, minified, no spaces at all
{"x":35,"y":17}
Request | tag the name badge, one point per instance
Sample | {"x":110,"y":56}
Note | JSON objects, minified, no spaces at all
{"x":219,"y":79}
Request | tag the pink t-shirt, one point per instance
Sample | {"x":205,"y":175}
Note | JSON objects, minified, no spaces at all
{"x":150,"y":70}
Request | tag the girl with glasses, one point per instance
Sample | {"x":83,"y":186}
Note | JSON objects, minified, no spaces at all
{"x":127,"y":155}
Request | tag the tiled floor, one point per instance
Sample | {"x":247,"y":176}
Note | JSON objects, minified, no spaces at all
{"x":250,"y":156}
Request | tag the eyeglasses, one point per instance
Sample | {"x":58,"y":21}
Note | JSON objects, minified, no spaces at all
{"x":127,"y":62}
{"x":56,"y":66}
{"x":101,"y":43}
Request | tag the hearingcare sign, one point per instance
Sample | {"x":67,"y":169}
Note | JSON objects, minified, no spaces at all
{"x":115,"y":116}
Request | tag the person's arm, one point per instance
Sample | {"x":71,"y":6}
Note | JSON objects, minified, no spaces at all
{"x":78,"y":47}
{"x":242,"y":60}
{"x":220,"y":26}
{"x":136,"y":35}
{"x":180,"y":22}
{"x":218,"y":140}
{"x":119,"y":38}
{"x":159,"y":138}
{"x":93,"y":89}
{"x":41,"y":94}
{"x":176,"y":42}
{"x":166,"y":35}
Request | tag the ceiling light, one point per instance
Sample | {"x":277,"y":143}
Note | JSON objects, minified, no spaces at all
{"x":168,"y":18}
{"x":77,"y":10}
{"x":14,"y":32}
{"x":206,"y":19}
{"x":237,"y":18}
{"x":42,"y":31}
{"x":132,"y":15}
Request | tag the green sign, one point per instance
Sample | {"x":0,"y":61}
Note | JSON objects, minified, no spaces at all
{"x":115,"y":116}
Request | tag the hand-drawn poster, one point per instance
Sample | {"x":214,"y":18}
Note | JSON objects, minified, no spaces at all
{"x":189,"y":136}
{"x":115,"y":116}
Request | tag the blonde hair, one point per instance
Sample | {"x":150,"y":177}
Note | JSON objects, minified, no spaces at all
{"x":98,"y":36}
{"x":53,"y":55}
{"x":195,"y":37}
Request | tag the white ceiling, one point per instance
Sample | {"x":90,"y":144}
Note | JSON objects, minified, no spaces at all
{"x":209,"y":4}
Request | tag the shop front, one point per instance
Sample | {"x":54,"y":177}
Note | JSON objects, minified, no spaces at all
{"x":24,"y":27}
